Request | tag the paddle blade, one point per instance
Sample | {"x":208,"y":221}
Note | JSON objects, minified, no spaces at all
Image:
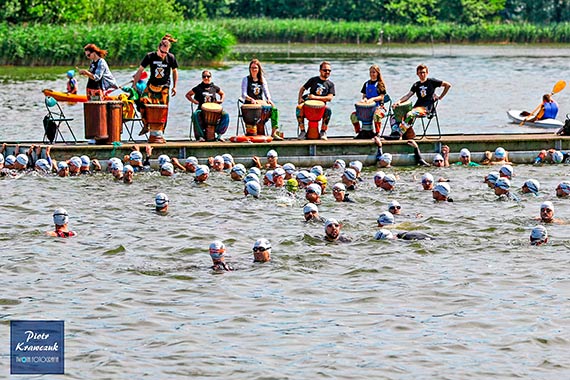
{"x":559,"y":86}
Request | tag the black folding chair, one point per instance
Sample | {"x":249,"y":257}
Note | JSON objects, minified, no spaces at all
{"x":430,"y":116}
{"x":389,"y":114}
{"x":239,"y":120}
{"x":130,"y":123}
{"x":53,"y":121}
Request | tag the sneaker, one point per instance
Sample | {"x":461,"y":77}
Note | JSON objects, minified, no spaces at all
{"x":324,"y":135}
{"x":302,"y":135}
{"x":277,"y":137}
{"x":201,"y":139}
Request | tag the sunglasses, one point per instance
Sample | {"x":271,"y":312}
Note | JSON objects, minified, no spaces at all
{"x":311,"y":191}
{"x":335,"y":225}
{"x":260,"y":249}
{"x":437,"y":160}
{"x":396,"y":207}
{"x":162,"y":51}
{"x":325,"y":70}
{"x":206,"y":76}
{"x":337,"y":191}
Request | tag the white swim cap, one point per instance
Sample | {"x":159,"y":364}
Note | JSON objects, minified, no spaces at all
{"x":310,"y":207}
{"x":192,"y":160}
{"x":500,"y":153}
{"x":162,"y":159}
{"x":161,"y":200}
{"x":22,"y":159}
{"x":239,"y":169}
{"x":255,"y":170}
{"x":506,"y":170}
{"x":85,"y":160}
{"x":350,"y":174}
{"x":383,"y":234}
{"x":557,"y":156}
{"x":43,"y":165}
{"x":10,"y":160}
{"x":339,"y":186}
{"x":390,"y":178}
{"x":228,"y":159}
{"x":128,"y":168}
{"x":539,"y":233}
{"x":75,"y":161}
{"x":533,"y":185}
{"x":135,"y":155}
{"x":313,"y":187}
{"x":62,"y":165}
{"x":547,"y":204}
{"x":356,"y":165}
{"x":317,"y":170}
{"x":202,"y":169}
{"x":427,"y":177}
{"x":289,"y":168}
{"x":442,"y":188}
{"x":503,"y":183}
{"x":386,"y":218}
{"x":464,"y":152}
{"x":167,"y":166}
{"x":386,"y":157}
{"x":219,"y":159}
{"x":263,"y":243}
{"x":253,"y":188}
{"x":60,"y":217}
{"x":272,"y":153}
{"x":251,"y":177}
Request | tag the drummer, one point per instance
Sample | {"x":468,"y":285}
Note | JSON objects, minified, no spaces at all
{"x":254,"y":90}
{"x":320,"y":88}
{"x":162,"y":65}
{"x":373,"y":91}
{"x":207,"y":92}
{"x":424,"y":89}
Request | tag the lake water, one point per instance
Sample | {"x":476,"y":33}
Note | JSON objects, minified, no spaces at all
{"x":487,"y":81}
{"x":139,"y":300}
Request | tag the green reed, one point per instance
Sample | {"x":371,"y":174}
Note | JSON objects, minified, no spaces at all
{"x":322,"y":31}
{"x":42,"y":45}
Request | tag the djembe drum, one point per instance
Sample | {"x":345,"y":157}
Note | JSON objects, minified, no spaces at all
{"x":365,"y":113}
{"x":156,"y":116}
{"x":314,"y":111}
{"x":401,"y":110}
{"x":212,"y":113}
{"x":251,"y":114}
{"x":95,"y":117}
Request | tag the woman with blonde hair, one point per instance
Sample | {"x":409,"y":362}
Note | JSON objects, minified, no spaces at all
{"x":373,"y":91}
{"x":100,"y":79}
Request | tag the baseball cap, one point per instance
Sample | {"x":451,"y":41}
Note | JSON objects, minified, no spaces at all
{"x":161,"y":200}
{"x":386,"y":218}
{"x":500,"y":152}
{"x":383,"y":234}
{"x":442,"y":188}
{"x":60,"y":216}
{"x":272,"y":153}
{"x":253,"y":188}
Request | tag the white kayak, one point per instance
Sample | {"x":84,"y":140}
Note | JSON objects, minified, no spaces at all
{"x":515,"y":117}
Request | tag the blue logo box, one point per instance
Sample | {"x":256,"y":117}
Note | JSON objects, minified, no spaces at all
{"x":36,"y":347}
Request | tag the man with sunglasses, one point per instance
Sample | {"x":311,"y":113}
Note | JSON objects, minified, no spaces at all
{"x":320,"y":88}
{"x":207,"y":92}
{"x":332,"y":232}
{"x":163,"y":65}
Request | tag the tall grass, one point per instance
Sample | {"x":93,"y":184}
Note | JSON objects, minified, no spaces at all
{"x":306,"y":30}
{"x":38,"y":45}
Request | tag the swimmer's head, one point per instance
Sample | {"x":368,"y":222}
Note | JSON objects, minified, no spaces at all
{"x":385,"y":160}
{"x":252,"y":188}
{"x":395,"y":208}
{"x":563,"y":189}
{"x":272,"y":154}
{"x":289,"y":168}
{"x":292,"y":185}
{"x":332,"y":229}
{"x":531,"y":186}
{"x":356,"y":165}
{"x":251,"y":177}
{"x":384,"y":234}
{"x":43,"y":165}
{"x":350,"y":175}
{"x":385,"y":219}
{"x":557,"y":156}
{"x":538,"y":235}
{"x":238,"y":172}
{"x":167,"y":169}
{"x":60,"y":217}
{"x":85,"y":162}
{"x":161,"y":201}
{"x":500,"y":153}
{"x":310,"y":211}
{"x":339,"y":164}
{"x":441,"y":191}
{"x":162,"y":159}
{"x":317,"y":170}
{"x":217,"y":251}
{"x":261,"y":250}
{"x":255,"y":170}
{"x":506,"y":171}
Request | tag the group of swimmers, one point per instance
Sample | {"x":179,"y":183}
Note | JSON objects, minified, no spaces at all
{"x":313,"y":182}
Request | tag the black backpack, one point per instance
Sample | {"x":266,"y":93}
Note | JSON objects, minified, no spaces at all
{"x":50,"y":128}
{"x":565,"y":130}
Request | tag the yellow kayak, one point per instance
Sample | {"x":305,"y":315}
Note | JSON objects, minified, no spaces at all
{"x":71,"y":98}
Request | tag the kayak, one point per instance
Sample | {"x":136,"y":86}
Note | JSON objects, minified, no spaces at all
{"x":71,"y":98}
{"x":515,"y":117}
{"x":252,"y":139}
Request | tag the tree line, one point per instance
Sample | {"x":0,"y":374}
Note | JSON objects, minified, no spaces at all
{"x":417,"y":12}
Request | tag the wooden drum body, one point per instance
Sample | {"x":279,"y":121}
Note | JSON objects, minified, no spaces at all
{"x":114,"y":120}
{"x":365,"y":113}
{"x":402,"y":109}
{"x":212,"y":113}
{"x":156,"y":116}
{"x":251,"y":114}
{"x":95,"y":118}
{"x":314,"y":110}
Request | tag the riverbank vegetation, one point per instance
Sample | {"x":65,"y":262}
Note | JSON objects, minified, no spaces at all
{"x":38,"y":45}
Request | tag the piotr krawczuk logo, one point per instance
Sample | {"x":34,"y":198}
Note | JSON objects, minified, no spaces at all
{"x":36,"y":347}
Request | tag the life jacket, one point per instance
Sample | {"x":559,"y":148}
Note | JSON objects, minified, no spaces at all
{"x":550,"y":110}
{"x":372,"y":90}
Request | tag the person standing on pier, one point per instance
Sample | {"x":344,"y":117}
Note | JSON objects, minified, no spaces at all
{"x":100,"y":79}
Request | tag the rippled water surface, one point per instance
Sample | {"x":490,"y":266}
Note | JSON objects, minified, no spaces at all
{"x":139,"y":300}
{"x":487,"y":81}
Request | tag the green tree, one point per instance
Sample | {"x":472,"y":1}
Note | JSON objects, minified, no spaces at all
{"x":423,"y":12}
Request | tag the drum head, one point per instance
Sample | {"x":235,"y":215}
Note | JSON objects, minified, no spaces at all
{"x":314,"y":103}
{"x":211,"y":107}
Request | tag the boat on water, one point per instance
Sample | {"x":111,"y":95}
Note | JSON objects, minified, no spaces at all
{"x":70,"y":98}
{"x":517,"y":116}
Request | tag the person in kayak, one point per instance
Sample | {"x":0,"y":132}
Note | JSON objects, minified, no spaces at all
{"x":548,"y":109}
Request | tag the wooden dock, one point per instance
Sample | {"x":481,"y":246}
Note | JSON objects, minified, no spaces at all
{"x":522,"y":148}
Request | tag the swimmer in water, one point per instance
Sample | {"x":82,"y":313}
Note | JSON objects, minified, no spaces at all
{"x":340,"y":194}
{"x":547,"y":213}
{"x":384,"y":234}
{"x":261,"y":251}
{"x":332,"y":232}
{"x":61,"y":220}
{"x":161,"y":203}
{"x":539,"y":235}
{"x":441,"y":192}
{"x":217,"y":253}
{"x":311,"y":213}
